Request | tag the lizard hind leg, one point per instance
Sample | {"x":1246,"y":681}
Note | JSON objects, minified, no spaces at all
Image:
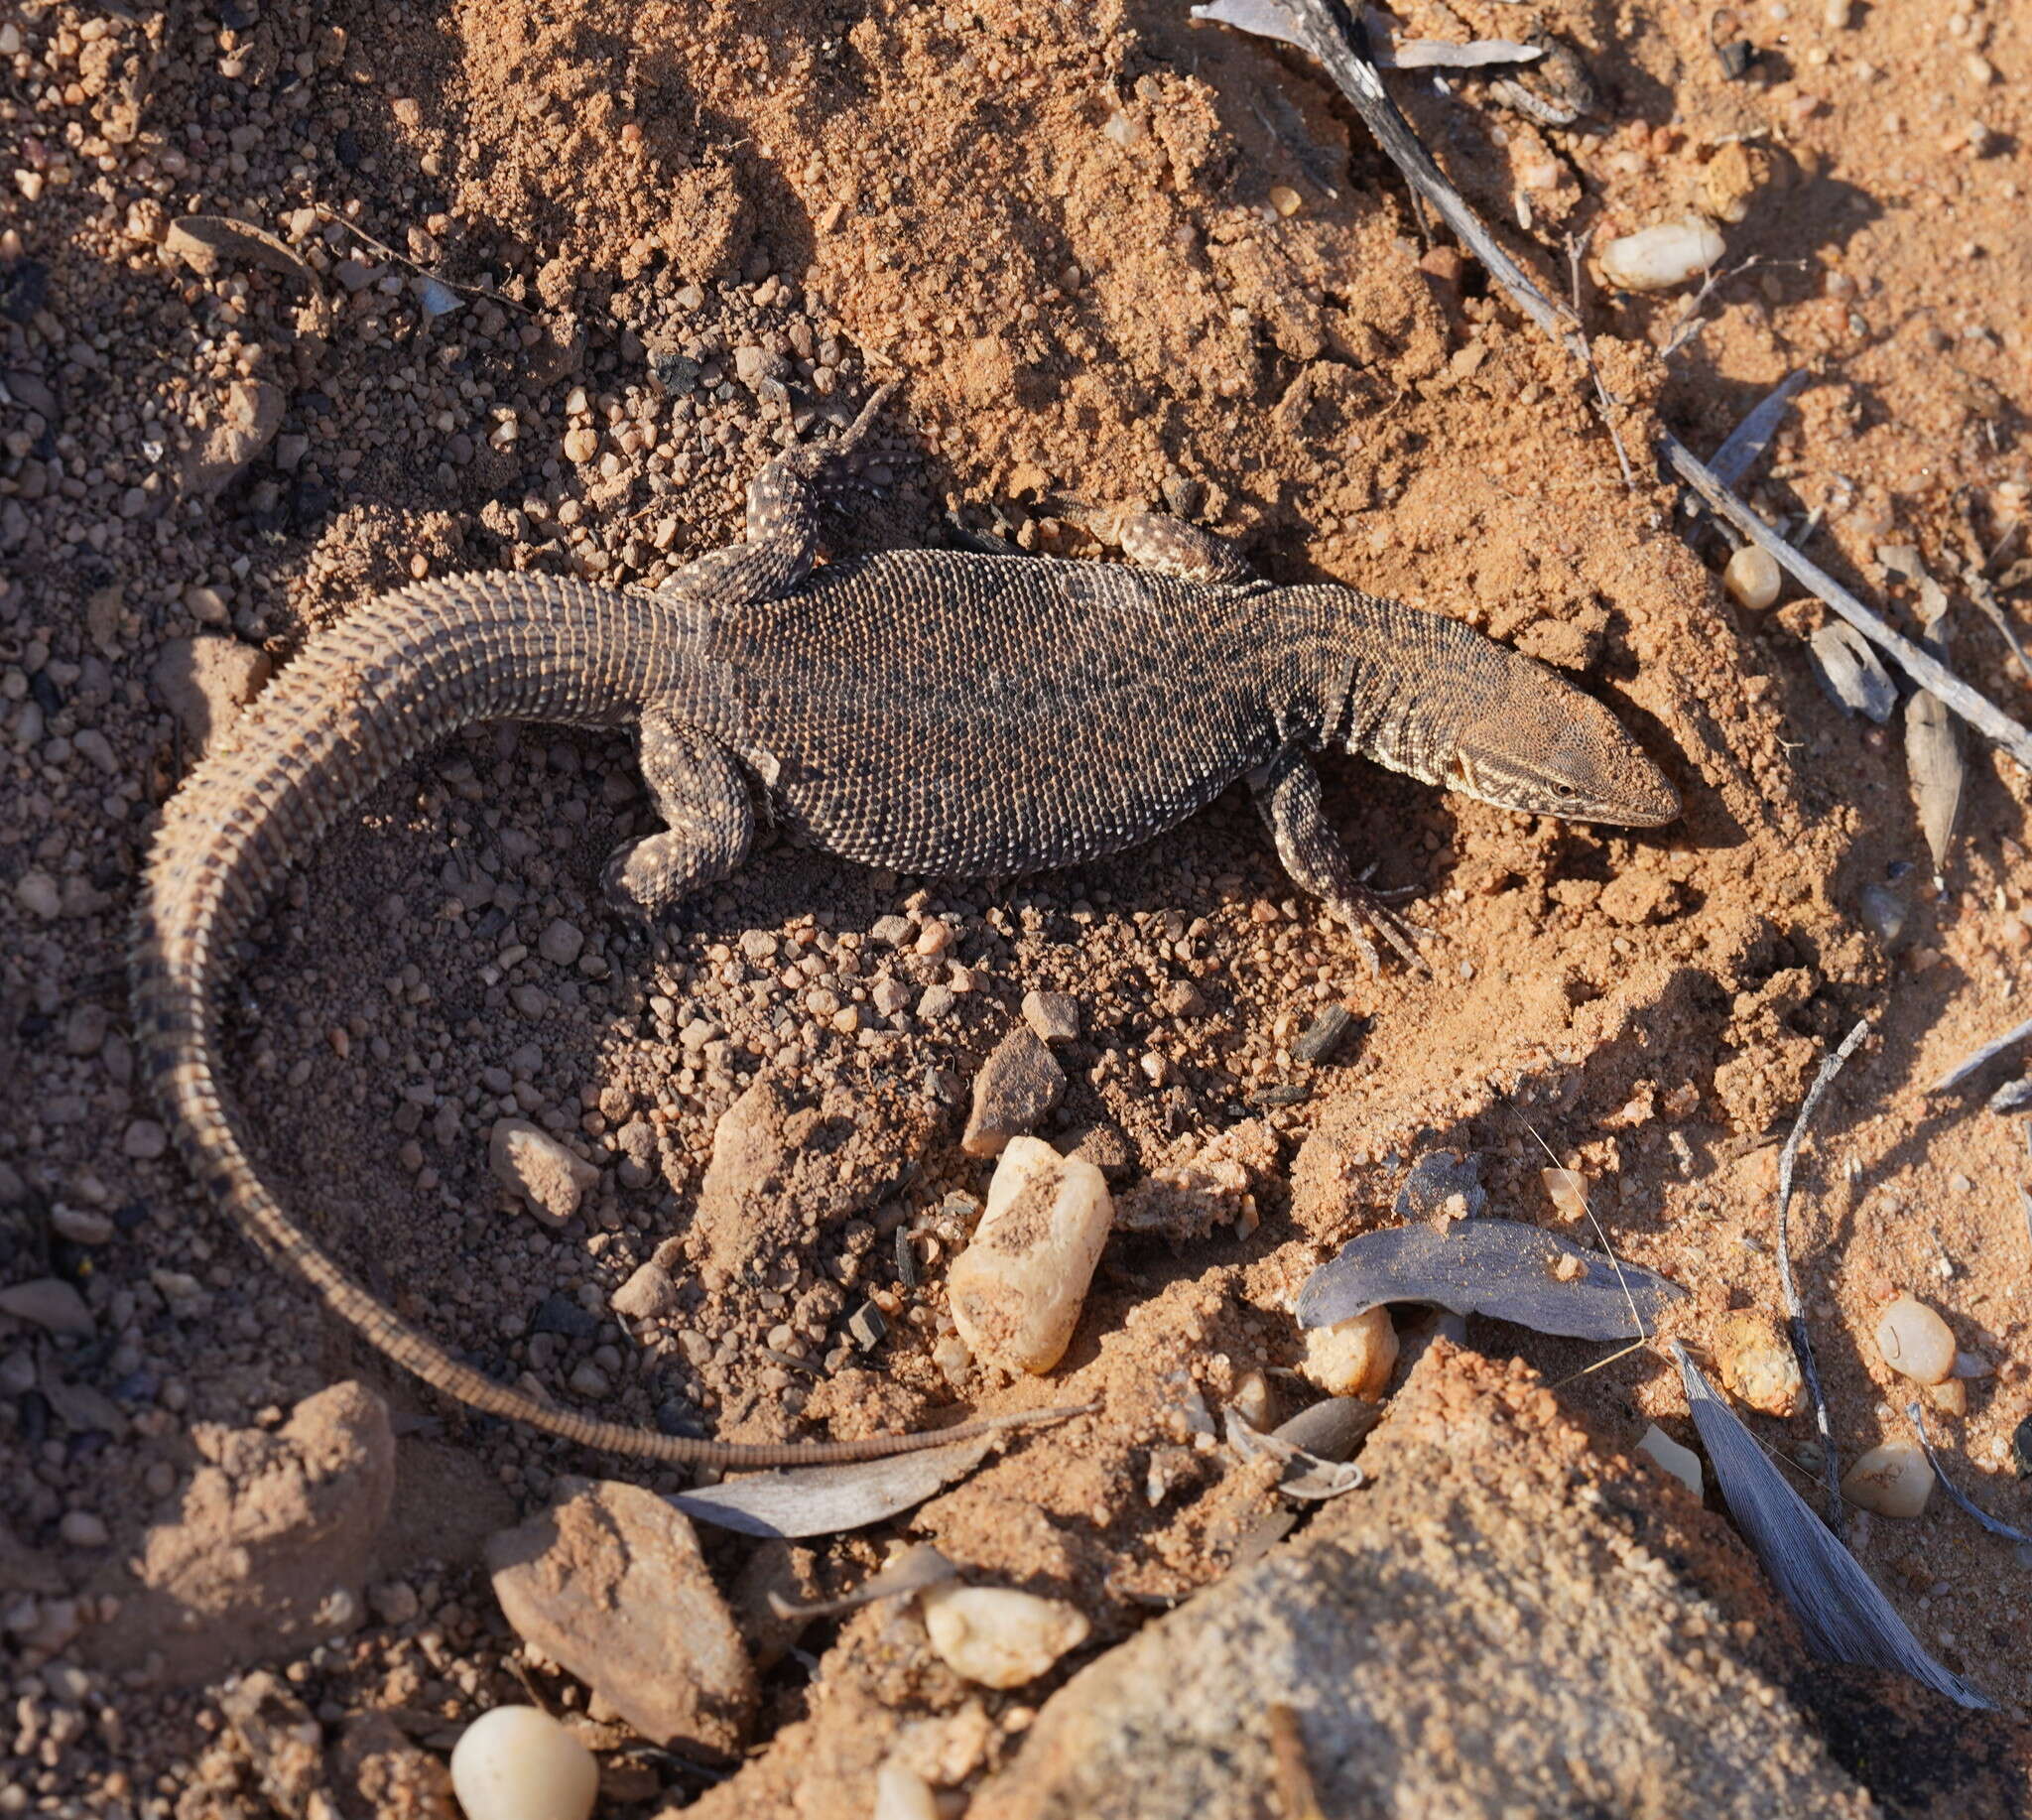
{"x":703,"y":796}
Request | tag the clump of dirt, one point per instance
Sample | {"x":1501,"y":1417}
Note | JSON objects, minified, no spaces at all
{"x":1119,"y":259}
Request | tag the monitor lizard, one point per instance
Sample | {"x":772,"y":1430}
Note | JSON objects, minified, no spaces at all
{"x":936,"y":711}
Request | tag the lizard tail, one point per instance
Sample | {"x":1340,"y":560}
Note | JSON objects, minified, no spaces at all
{"x":362,"y":699}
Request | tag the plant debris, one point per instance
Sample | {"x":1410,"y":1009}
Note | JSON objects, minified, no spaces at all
{"x":1743,"y":446}
{"x":1844,"y":1617}
{"x":1972,"y":1065}
{"x":909,"y":1570}
{"x":825,"y":1499}
{"x":1850,"y":671}
{"x":1795,"y":1310}
{"x":1503,"y":1268}
{"x":1995,"y":1525}
{"x":1306,"y":1475}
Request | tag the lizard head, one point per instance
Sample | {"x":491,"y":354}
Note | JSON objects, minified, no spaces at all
{"x":1535,"y":742}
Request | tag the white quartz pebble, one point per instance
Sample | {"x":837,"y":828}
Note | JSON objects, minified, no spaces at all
{"x":1353,"y":1358}
{"x":1893,"y":1480}
{"x":519,"y":1763}
{"x":1017,"y":1290}
{"x":1915,"y":1341}
{"x":1657,"y":258}
{"x":902,"y":1794}
{"x":1681,"y":1462}
{"x":998,"y":1636}
{"x":1752,"y":577}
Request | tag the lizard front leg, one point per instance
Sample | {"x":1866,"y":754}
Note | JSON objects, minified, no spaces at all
{"x":1287,"y":794}
{"x":781,"y":540}
{"x":700,"y":792}
{"x":1170,"y":546}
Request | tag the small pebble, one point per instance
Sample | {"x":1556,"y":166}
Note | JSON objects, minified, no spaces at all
{"x":1018,"y":1083}
{"x":561,"y":943}
{"x":1658,"y":258}
{"x":1017,"y":1290}
{"x":1353,"y":1358}
{"x":1252,"y":1401}
{"x":1893,"y":1480}
{"x":902,"y":1794}
{"x":49,"y":1303}
{"x":82,"y":1529}
{"x":1681,"y":1462}
{"x":647,"y":1294}
{"x":519,"y":1763}
{"x":1916,"y":1342}
{"x":1757,"y":1362}
{"x":1055,"y":1016}
{"x":1752,"y":577}
{"x":536,"y":1166}
{"x":997,"y":1637}
{"x":1883,"y":912}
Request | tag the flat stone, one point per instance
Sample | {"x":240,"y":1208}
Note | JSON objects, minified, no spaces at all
{"x":241,"y":427}
{"x":1018,"y":1083}
{"x":1055,"y":1016}
{"x":647,"y":1294}
{"x":530,"y":1163}
{"x":49,"y":1302}
{"x":609,"y":1582}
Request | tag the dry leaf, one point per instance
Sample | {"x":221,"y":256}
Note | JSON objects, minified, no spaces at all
{"x":1503,"y":1268}
{"x":825,"y":1500}
{"x":1844,"y":1617}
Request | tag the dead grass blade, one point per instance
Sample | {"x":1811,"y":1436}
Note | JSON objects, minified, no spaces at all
{"x":1795,"y":1309}
{"x":1844,"y":1617}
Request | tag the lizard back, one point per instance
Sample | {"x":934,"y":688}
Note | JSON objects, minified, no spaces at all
{"x":953,"y":713}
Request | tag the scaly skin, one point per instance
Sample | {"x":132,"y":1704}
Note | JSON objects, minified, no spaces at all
{"x":929,"y":712}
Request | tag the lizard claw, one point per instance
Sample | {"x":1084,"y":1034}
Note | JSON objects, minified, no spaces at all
{"x":1363,"y":910}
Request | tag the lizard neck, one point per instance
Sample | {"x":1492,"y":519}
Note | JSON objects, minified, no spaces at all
{"x":1389,"y":683}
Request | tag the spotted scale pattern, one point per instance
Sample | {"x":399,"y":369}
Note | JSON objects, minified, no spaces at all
{"x":929,"y":712}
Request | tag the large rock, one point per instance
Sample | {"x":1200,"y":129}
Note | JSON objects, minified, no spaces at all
{"x":1504,"y":1623}
{"x":272,"y":1545}
{"x":609,"y":1583}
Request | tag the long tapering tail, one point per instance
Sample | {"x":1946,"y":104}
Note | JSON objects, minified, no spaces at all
{"x":362,"y":699}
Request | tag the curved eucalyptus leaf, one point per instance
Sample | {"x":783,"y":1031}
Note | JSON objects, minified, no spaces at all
{"x":1503,"y":1268}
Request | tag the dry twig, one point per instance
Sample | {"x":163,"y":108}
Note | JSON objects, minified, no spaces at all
{"x":1795,"y":1310}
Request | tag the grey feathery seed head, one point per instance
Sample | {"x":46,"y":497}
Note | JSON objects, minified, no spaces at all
{"x":1535,"y":742}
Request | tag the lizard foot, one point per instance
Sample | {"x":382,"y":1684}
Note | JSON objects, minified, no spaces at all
{"x":644,"y":880}
{"x":1362,"y":910}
